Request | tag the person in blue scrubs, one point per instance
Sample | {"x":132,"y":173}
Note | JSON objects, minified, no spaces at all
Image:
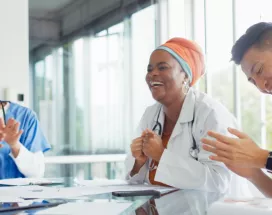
{"x":22,"y":142}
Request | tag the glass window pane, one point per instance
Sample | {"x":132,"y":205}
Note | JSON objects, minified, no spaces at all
{"x":177,"y":19}
{"x":99,"y":83}
{"x":39,"y":85}
{"x":250,"y":108}
{"x":48,"y":75}
{"x":46,"y":105}
{"x":199,"y":35}
{"x":116,"y":28}
{"x":219,"y":43}
{"x":107,"y":118}
{"x":101,"y":33}
{"x":142,"y":47}
{"x":77,"y":120}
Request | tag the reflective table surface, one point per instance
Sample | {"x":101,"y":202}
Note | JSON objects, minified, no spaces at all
{"x":190,"y":202}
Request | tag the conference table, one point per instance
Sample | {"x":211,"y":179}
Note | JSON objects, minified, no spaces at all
{"x":190,"y":202}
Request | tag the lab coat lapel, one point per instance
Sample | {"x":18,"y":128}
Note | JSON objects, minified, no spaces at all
{"x":160,"y":119}
{"x":186,"y":114}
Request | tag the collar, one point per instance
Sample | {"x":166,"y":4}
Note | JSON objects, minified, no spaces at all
{"x":6,"y":107}
{"x":188,"y":108}
{"x":187,"y":111}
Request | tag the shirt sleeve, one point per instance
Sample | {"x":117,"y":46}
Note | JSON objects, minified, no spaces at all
{"x":138,"y":178}
{"x":30,"y":164}
{"x":33,"y":138}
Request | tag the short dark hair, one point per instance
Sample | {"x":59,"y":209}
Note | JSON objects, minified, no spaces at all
{"x":255,"y":35}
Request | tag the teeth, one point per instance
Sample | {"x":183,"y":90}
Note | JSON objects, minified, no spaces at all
{"x":155,"y":83}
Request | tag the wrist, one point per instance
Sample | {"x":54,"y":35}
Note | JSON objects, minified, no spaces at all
{"x":261,"y":159}
{"x":159,"y":156}
{"x":15,"y":149}
{"x":256,"y":174}
{"x":15,"y":145}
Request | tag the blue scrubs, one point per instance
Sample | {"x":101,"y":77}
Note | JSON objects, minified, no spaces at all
{"x":32,"y":138}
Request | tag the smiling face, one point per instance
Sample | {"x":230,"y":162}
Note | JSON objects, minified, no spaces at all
{"x":165,"y":77}
{"x":257,"y":66}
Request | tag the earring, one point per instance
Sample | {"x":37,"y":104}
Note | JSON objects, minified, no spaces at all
{"x":185,"y":87}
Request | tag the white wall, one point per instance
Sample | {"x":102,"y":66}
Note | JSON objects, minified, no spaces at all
{"x":14,"y":57}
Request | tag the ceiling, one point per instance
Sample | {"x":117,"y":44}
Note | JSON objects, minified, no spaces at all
{"x":51,"y":21}
{"x":44,"y":21}
{"x":40,"y":8}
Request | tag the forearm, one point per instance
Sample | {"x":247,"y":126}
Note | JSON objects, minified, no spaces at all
{"x":29,"y":164}
{"x":262,"y":182}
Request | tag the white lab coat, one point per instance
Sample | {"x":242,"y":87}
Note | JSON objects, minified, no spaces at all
{"x":176,"y":167}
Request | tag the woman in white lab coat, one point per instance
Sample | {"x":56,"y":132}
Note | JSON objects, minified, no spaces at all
{"x":166,"y":150}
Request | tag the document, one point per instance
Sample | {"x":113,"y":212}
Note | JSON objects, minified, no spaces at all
{"x":101,"y":208}
{"x":72,"y":192}
{"x":41,"y":192}
{"x":121,"y":185}
{"x":63,"y":192}
{"x":101,"y":182}
{"x":10,"y":199}
{"x":29,"y":181}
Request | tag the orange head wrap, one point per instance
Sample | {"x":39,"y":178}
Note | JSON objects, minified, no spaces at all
{"x":189,"y":56}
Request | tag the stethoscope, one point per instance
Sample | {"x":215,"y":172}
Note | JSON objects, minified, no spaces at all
{"x":194,"y":150}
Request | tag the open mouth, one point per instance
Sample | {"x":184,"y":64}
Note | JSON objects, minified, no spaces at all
{"x":155,"y":83}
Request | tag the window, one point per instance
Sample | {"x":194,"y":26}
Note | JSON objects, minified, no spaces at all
{"x":143,"y":43}
{"x":78,"y":110}
{"x":107,"y":92}
{"x":177,"y":19}
{"x":219,"y":43}
{"x":199,"y":36}
{"x":39,"y":88}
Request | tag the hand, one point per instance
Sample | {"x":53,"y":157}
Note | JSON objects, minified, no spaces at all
{"x":10,"y":133}
{"x":152,"y":146}
{"x":240,"y":152}
{"x":137,"y":150}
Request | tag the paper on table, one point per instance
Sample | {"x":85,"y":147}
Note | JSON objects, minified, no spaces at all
{"x":101,"y":208}
{"x":101,"y":182}
{"x":27,"y":181}
{"x":72,"y":192}
{"x":252,"y":206}
{"x":64,"y":192}
{"x":40,"y":192}
{"x":13,"y":194}
{"x":121,"y":185}
{"x":10,"y":199}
